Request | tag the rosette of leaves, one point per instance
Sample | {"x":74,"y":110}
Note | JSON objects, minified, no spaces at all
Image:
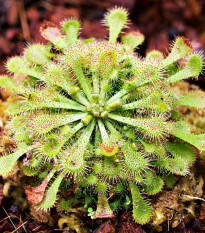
{"x":96,"y":114}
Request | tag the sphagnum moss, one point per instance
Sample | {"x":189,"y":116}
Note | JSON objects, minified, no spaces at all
{"x":95,"y":114}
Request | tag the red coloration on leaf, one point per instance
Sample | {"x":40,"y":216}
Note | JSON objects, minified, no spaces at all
{"x":103,"y":208}
{"x":49,"y":30}
{"x":103,"y":214}
{"x":187,"y":42}
{"x":108,"y":148}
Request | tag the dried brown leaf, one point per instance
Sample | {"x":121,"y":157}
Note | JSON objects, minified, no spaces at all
{"x":35,"y":194}
{"x":128,"y":225}
{"x":106,"y":227}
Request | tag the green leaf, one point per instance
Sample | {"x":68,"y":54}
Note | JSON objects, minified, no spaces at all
{"x":133,"y":39}
{"x":92,"y":179}
{"x":115,"y":20}
{"x":19,"y":122}
{"x":8,"y":83}
{"x":71,"y":28}
{"x":75,"y":63}
{"x":73,"y":156}
{"x":193,"y":99}
{"x":103,"y":207}
{"x":192,"y":69}
{"x":182,"y":130}
{"x":51,"y":193}
{"x":169,"y":179}
{"x":155,"y":184}
{"x":184,"y":151}
{"x":50,"y":99}
{"x":154,"y":56}
{"x":180,"y":49}
{"x":116,"y":204}
{"x":153,"y":126}
{"x":7,"y":162}
{"x":56,"y":75}
{"x":154,"y":101}
{"x":45,"y":122}
{"x":29,"y":171}
{"x":55,"y":142}
{"x":18,"y":65}
{"x":145,"y":74}
{"x":141,"y":210}
{"x":111,"y":168}
{"x":116,"y":96}
{"x":133,"y":159}
{"x":107,"y":61}
{"x":37,"y":54}
{"x":177,"y":166}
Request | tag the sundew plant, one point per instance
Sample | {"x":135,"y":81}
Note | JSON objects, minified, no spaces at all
{"x":95,"y":114}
